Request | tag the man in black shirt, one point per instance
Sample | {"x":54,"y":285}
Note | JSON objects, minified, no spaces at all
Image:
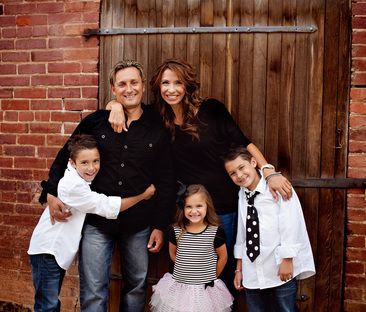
{"x":130,"y":161}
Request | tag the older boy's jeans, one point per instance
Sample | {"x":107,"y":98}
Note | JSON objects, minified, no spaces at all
{"x":279,"y":299}
{"x":47,"y":278}
{"x":95,"y":265}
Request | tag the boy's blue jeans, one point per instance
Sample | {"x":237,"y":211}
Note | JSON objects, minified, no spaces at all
{"x":47,"y":278}
{"x":279,"y":299}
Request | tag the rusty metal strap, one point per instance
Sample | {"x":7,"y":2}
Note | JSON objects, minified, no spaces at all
{"x":329,"y":183}
{"x":199,"y":30}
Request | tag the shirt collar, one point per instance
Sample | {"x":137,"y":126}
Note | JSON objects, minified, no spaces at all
{"x":72,"y":171}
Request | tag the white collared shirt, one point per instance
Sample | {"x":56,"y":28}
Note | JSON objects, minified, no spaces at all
{"x":62,"y":239}
{"x":282,"y":233}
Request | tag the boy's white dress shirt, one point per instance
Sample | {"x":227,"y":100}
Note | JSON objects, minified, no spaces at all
{"x":62,"y":239}
{"x":282,"y":233}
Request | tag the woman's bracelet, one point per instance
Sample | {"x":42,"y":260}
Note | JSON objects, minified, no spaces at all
{"x":236,"y":271}
{"x":272,"y":175}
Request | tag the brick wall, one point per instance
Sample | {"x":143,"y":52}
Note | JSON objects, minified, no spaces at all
{"x":49,"y":80}
{"x":355,"y":284}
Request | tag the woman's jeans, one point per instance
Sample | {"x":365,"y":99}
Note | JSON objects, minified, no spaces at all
{"x":279,"y":299}
{"x":47,"y":278}
{"x":96,"y":250}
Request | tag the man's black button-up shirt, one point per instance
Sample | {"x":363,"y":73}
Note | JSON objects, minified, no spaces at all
{"x":130,"y":162}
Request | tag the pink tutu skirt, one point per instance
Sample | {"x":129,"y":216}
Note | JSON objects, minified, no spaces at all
{"x":171,"y":296}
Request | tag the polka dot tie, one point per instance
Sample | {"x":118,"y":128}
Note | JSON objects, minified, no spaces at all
{"x":252,"y":225}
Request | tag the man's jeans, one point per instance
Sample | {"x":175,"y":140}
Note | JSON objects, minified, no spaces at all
{"x":47,"y":278}
{"x":96,"y":250}
{"x":279,"y":299}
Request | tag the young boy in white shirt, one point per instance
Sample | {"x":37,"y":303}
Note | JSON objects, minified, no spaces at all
{"x":53,"y":246}
{"x":271,"y":256}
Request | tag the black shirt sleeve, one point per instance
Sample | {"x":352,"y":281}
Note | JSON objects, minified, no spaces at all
{"x":171,"y":236}
{"x":220,"y":237}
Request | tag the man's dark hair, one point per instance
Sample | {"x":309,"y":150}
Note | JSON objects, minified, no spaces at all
{"x":235,"y":152}
{"x":81,"y":142}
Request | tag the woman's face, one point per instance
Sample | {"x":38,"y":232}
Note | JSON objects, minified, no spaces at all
{"x":172,"y":89}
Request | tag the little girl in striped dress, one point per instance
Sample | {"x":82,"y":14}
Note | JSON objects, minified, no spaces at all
{"x":197,"y":248}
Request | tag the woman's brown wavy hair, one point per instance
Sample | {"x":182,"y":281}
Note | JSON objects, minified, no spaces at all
{"x":191,"y":100}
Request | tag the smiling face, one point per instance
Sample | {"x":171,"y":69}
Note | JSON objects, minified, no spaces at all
{"x":172,"y":88}
{"x":129,"y":87}
{"x":195,"y":209}
{"x":87,"y":163}
{"x":243,"y":172}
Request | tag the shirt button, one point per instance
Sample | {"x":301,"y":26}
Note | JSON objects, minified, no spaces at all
{"x":120,"y":183}
{"x":125,"y":147}
{"x":103,"y":136}
{"x":122,"y":165}
{"x":150,"y":145}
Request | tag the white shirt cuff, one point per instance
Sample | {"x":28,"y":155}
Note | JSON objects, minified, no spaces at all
{"x":114,"y":207}
{"x":283,"y":252}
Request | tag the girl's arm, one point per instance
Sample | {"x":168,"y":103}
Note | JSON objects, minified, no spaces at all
{"x":221,"y":259}
{"x":172,"y":251}
{"x":276,"y":183}
{"x":238,"y":275}
{"x":117,"y":117}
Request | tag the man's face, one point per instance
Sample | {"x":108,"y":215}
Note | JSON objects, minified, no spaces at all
{"x":129,"y":87}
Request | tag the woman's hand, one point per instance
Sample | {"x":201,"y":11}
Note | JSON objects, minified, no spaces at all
{"x":117,"y":117}
{"x":279,"y":183}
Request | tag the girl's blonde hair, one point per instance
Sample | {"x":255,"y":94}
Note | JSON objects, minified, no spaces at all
{"x":211,"y":217}
{"x":190,"y":102}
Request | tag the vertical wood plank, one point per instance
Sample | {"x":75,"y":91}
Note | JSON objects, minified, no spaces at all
{"x":167,"y":21}
{"x":259,"y":75}
{"x":130,"y":17}
{"x":193,"y":41}
{"x":206,"y":48}
{"x":181,"y":20}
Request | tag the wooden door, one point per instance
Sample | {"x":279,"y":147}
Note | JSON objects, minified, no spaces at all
{"x":286,"y":87}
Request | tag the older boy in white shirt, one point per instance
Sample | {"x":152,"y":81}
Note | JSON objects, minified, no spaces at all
{"x":53,"y":246}
{"x":271,"y":256}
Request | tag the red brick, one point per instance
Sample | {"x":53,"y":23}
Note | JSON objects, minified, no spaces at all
{"x":82,"y":6}
{"x":15,"y":56}
{"x":7,"y":21}
{"x":8,"y":197}
{"x":64,"y":18}
{"x":81,"y":104}
{"x":70,"y":127}
{"x":56,"y":30}
{"x":8,"y":69}
{"x":358,"y":51}
{"x":24,"y":198}
{"x":40,"y":175}
{"x":14,"y":81}
{"x":32,"y":93}
{"x":40,"y":31}
{"x":66,"y":116}
{"x":81,"y":80}
{"x":11,"y":150}
{"x":359,"y":65}
{"x":355,"y":307}
{"x":356,"y":173}
{"x":30,"y":44}
{"x":13,"y":128}
{"x":90,"y":17}
{"x":355,"y":268}
{"x":356,"y":214}
{"x":78,"y":29}
{"x":356,"y":241}
{"x":6,"y":162}
{"x":90,"y":92}
{"x":357,"y":160}
{"x":24,"y":20}
{"x":358,"y":78}
{"x":359,"y":37}
{"x":357,"y":147}
{"x":9,"y":32}
{"x":90,"y":67}
{"x":11,"y":116}
{"x":358,"y":8}
{"x":6,"y":44}
{"x":19,"y":220}
{"x":31,"y":68}
{"x":64,"y":92}
{"x":7,"y":208}
{"x":46,"y":104}
{"x":64,"y":68}
{"x":6,"y":185}
{"x":81,"y":54}
{"x":357,"y":228}
{"x":26,"y":116}
{"x":353,"y":293}
{"x":7,"y":139}
{"x":50,"y":7}
{"x":42,"y":116}
{"x":23,"y":8}
{"x":16,"y":174}
{"x":46,"y":80}
{"x":24,"y":32}
{"x":26,"y":186}
{"x":32,"y":139}
{"x":15,"y":104}
{"x":357,"y":134}
{"x":47,"y":56}
{"x":45,"y":128}
{"x":56,"y":140}
{"x":65,"y":42}
{"x":358,"y":108}
{"x":355,"y":202}
{"x":30,"y":162}
{"x":48,"y":151}
{"x":6,"y":93}
{"x":355,"y":280}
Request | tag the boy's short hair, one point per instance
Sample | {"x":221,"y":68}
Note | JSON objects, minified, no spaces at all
{"x":235,"y":152}
{"x":125,"y":64}
{"x":81,"y":142}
